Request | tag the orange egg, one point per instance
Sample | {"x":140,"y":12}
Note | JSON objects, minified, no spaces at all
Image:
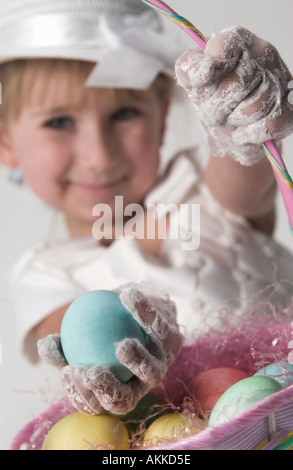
{"x":207,"y":387}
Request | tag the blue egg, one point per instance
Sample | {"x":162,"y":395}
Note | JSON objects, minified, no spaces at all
{"x":92,"y":325}
{"x":282,"y":372}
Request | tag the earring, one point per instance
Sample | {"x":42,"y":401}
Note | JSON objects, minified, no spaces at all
{"x":15,"y":176}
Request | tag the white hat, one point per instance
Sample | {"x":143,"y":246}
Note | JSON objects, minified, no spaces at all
{"x":125,"y":38}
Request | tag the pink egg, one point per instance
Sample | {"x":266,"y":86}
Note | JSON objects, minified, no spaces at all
{"x":207,"y":387}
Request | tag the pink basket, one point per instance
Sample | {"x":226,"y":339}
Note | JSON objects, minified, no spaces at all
{"x":247,"y":431}
{"x":253,"y":343}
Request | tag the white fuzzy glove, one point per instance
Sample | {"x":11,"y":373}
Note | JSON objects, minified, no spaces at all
{"x":239,"y":86}
{"x":95,"y":389}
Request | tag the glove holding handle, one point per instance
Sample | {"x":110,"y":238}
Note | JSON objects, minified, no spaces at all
{"x":95,"y":389}
{"x":239,"y":87}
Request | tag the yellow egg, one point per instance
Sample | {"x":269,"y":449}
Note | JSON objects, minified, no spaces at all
{"x":81,"y":432}
{"x":171,"y":426}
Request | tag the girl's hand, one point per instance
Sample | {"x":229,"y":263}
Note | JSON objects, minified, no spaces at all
{"x":93,"y":390}
{"x":239,"y":86}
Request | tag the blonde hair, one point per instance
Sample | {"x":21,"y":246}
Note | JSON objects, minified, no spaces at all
{"x":19,"y":78}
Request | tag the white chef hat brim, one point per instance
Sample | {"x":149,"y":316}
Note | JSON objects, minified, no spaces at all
{"x":126,"y":39}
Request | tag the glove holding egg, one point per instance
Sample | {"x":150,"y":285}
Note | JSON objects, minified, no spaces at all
{"x":91,"y":327}
{"x":114,"y":347}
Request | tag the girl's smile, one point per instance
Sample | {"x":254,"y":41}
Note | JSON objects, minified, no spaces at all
{"x":98,"y":190}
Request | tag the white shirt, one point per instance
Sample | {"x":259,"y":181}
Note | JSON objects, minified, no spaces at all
{"x":233,"y":265}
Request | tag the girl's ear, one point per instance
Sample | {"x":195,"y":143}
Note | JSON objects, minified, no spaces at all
{"x":7,"y":157}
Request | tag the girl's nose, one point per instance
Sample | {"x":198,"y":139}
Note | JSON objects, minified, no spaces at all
{"x":97,"y":151}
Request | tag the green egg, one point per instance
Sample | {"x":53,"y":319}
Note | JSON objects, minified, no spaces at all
{"x":241,"y":396}
{"x":147,"y":410}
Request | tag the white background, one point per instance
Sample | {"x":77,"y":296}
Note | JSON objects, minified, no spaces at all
{"x":25,"y":389}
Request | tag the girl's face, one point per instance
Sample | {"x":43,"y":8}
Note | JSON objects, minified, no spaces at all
{"x":76,"y":157}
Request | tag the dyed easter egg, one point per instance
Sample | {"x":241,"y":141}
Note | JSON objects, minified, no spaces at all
{"x":146,"y":410}
{"x":241,"y":396}
{"x":81,"y":432}
{"x":282,"y":372}
{"x":207,"y":387}
{"x":92,"y":325}
{"x":171,"y":426}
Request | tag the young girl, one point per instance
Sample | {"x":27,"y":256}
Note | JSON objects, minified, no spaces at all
{"x":83,"y":117}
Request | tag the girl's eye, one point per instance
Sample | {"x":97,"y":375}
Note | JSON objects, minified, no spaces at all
{"x":125,"y":114}
{"x":60,"y":123}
